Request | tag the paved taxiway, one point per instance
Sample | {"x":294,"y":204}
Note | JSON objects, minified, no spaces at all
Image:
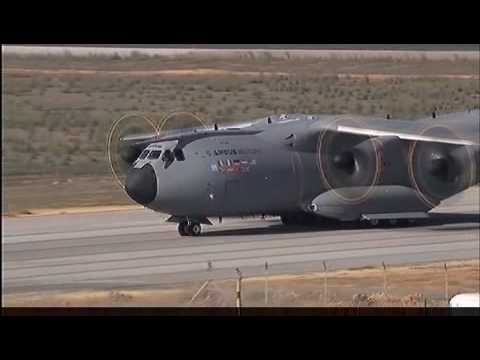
{"x":137,"y":248}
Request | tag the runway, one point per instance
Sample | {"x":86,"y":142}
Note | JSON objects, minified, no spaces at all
{"x":138,"y":249}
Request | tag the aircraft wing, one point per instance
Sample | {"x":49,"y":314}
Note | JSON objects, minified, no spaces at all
{"x":438,"y":157}
{"x":456,"y":129}
{"x":403,"y":135}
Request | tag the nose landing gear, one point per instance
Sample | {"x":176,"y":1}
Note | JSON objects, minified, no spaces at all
{"x":186,"y":228}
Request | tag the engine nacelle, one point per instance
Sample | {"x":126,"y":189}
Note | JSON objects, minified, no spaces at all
{"x":440,"y":170}
{"x":347,"y":160}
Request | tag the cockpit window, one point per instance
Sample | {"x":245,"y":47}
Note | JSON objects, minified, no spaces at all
{"x":144,"y":154}
{"x":179,"y":154}
{"x":155,"y":154}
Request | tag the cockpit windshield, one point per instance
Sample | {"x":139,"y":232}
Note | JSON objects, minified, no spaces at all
{"x":144,"y":154}
{"x":155,"y":154}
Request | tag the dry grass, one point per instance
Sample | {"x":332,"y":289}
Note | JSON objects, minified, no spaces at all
{"x":406,"y":286}
{"x":57,"y":114}
{"x":36,"y":195}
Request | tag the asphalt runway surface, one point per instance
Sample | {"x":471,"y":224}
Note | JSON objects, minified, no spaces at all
{"x":135,"y":249}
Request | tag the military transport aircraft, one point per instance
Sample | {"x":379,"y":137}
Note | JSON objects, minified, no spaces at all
{"x":305,"y":167}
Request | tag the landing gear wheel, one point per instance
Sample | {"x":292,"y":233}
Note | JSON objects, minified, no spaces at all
{"x":393,"y":222}
{"x":182,"y":228}
{"x":403,"y":222}
{"x":299,"y":219}
{"x":374,"y":222}
{"x":286,"y":220}
{"x":194,"y":229}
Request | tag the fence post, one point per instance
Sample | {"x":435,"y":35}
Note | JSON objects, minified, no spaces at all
{"x":384,"y":278}
{"x":446,"y":282}
{"x":205,"y":284}
{"x":239,"y":290}
{"x":325,"y":302}
{"x":266,"y":283}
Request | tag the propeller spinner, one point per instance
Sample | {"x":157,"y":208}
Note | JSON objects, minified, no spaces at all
{"x":347,"y":160}
{"x":439,"y":170}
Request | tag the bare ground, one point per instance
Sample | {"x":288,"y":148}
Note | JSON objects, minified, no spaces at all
{"x":220,"y":72}
{"x":27,"y":195}
{"x":180,"y":72}
{"x":412,"y":285}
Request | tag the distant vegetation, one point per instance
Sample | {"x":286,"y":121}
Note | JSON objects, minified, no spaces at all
{"x":57,"y":123}
{"x":431,"y":47}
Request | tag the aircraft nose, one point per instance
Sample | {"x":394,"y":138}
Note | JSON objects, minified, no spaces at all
{"x":141,"y":184}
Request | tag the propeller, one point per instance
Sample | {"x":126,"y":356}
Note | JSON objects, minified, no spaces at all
{"x":439,"y":170}
{"x":132,"y":133}
{"x":348,"y":160}
{"x":123,"y":146}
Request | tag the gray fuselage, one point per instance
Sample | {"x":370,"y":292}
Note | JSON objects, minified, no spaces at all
{"x":273,"y":171}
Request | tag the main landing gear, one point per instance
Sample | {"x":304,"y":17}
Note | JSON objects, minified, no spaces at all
{"x":189,"y":228}
{"x":300,"y":219}
{"x":385,"y":223}
{"x":306,"y":219}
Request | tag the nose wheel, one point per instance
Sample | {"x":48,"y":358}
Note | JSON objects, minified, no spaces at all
{"x":186,"y":228}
